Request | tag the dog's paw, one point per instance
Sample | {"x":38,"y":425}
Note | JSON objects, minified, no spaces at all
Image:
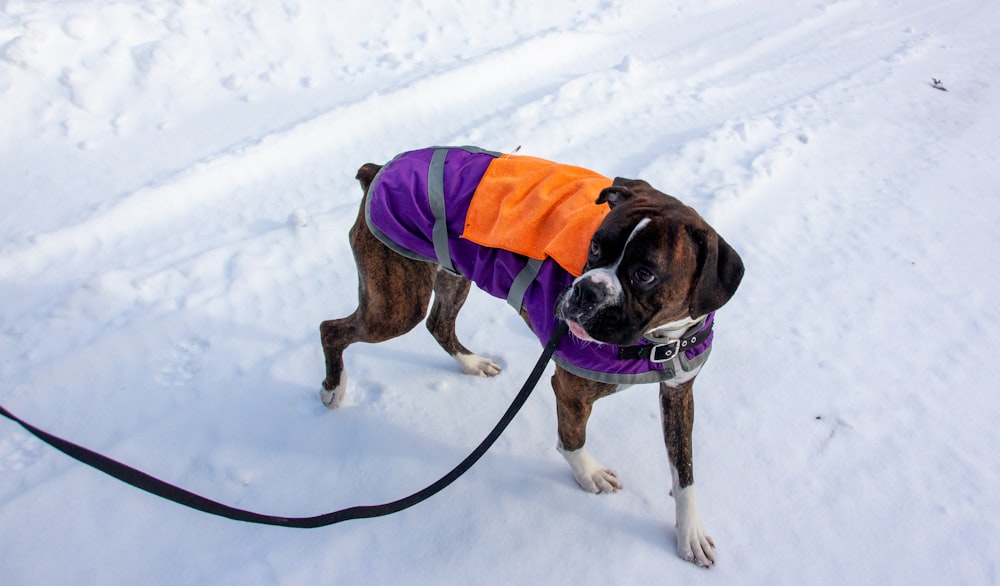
{"x":695,"y":546}
{"x":332,"y":397}
{"x":602,"y":480}
{"x":477,"y":365}
{"x":589,"y":474}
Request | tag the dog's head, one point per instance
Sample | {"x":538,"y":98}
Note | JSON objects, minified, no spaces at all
{"x":653,"y":261}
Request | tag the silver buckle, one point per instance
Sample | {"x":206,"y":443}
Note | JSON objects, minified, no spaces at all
{"x":665,"y":352}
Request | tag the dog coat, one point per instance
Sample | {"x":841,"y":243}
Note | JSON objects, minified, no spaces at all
{"x":519,"y":228}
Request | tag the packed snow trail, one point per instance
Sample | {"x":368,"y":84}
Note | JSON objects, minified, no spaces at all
{"x":178,"y":183}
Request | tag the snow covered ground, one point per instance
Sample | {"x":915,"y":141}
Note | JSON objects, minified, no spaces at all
{"x":177,"y":184}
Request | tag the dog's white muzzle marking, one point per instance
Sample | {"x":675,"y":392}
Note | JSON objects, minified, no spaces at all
{"x":607,"y":277}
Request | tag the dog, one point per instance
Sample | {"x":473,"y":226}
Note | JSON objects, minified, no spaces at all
{"x":635,"y":274}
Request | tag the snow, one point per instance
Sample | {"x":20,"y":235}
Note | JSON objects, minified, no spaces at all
{"x":178,"y":180}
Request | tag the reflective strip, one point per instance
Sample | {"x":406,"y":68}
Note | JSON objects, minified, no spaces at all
{"x":652,"y":376}
{"x":696,"y":362}
{"x":432,"y":179}
{"x":435,"y":195}
{"x":515,"y":297}
{"x":642,"y":378}
{"x":677,"y":366}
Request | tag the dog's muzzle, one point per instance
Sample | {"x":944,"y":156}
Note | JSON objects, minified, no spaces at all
{"x":587,"y":297}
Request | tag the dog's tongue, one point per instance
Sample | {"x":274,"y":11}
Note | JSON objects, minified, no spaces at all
{"x":578,"y":331}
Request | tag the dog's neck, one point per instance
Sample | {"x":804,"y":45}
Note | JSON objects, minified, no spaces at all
{"x":672,"y":330}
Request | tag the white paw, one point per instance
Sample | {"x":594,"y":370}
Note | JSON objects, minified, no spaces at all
{"x":588,"y":472}
{"x":693,"y":544}
{"x":332,"y":398}
{"x":477,"y":365}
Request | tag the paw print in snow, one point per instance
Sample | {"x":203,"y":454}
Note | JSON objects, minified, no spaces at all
{"x":183,"y":364}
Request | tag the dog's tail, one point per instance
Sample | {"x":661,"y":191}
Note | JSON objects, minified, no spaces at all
{"x":366,"y":173}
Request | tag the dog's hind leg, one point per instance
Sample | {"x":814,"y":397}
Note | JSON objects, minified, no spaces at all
{"x":450,"y":292}
{"x":393,"y":295}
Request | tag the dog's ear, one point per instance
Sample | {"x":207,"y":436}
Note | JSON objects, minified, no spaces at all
{"x":614,"y":195}
{"x":620,"y":191}
{"x":720,"y":271}
{"x":366,"y":174}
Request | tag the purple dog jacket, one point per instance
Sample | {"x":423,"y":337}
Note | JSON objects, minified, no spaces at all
{"x":402,"y":214}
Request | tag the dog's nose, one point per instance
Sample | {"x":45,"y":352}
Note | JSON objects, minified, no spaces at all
{"x":587,"y":293}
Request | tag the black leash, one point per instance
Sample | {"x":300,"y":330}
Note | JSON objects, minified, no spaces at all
{"x":153,"y":485}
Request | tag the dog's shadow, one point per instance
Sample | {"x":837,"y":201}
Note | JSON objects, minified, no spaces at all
{"x":544,"y":486}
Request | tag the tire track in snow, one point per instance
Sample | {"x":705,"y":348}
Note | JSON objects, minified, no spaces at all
{"x":477,"y":91}
{"x":661,"y":95}
{"x":665,"y":93}
{"x":442,"y":102}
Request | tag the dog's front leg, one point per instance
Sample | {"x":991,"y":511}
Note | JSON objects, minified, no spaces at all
{"x":677,"y":410}
{"x":574,"y":398}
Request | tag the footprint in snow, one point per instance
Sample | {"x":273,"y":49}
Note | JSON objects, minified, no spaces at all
{"x":19,"y":451}
{"x":183,"y":364}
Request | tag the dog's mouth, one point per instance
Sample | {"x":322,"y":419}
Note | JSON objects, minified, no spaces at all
{"x":590,"y":326}
{"x":569,"y":310}
{"x":578,"y":331}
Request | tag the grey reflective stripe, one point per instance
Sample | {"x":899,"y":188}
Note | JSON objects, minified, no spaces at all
{"x":475,"y":150}
{"x":435,"y":196}
{"x":515,"y":297}
{"x":696,"y":362}
{"x":671,"y":370}
{"x":699,"y":360}
{"x":382,"y":237}
{"x":432,"y":179}
{"x":651,"y":376}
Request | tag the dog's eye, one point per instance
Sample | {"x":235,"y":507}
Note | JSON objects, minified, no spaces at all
{"x":595,"y":249}
{"x":643,"y":276}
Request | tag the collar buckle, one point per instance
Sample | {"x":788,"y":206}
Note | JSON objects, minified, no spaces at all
{"x":665,"y":352}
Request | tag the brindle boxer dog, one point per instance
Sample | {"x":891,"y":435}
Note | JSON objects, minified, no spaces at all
{"x":655,"y":270}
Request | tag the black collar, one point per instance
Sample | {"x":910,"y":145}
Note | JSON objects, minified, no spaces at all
{"x":666,"y":351}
